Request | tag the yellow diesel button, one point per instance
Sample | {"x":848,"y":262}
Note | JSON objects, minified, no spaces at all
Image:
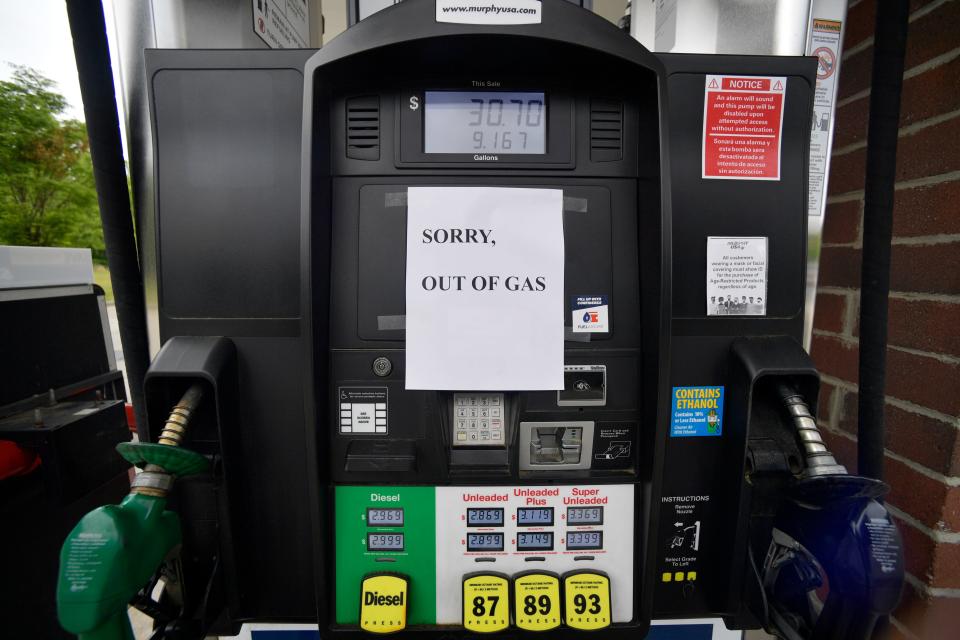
{"x":536,"y":601}
{"x":486,"y":602}
{"x":383,"y":602}
{"x":586,"y":600}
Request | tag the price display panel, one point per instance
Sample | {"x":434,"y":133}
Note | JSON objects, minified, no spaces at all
{"x":535,"y":516}
{"x":380,"y":517}
{"x":498,"y":122}
{"x":485,"y":517}
{"x":484,"y":542}
{"x":384,"y":542}
{"x":584,"y":515}
{"x":577,"y":540}
{"x":535,"y":541}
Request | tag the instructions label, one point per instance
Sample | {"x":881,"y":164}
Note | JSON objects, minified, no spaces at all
{"x":824,"y":44}
{"x":282,"y":24}
{"x":696,"y":412}
{"x":736,"y":276}
{"x":489,"y":11}
{"x":484,"y":287}
{"x":682,"y":516}
{"x":742,"y":127}
{"x":590,"y":314}
{"x":363,"y":409}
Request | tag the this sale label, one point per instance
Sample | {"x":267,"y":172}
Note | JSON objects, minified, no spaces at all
{"x":742,"y":127}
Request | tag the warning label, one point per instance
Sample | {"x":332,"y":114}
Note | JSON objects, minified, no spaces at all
{"x":742,"y":127}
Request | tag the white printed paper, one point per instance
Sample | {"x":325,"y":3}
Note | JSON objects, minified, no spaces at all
{"x":489,"y":11}
{"x":736,"y":276}
{"x":484,"y":287}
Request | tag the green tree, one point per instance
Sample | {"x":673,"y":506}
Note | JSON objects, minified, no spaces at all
{"x":47,"y":191}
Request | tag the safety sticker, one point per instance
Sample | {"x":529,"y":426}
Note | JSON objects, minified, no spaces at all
{"x":590,"y":314}
{"x":736,"y":276}
{"x":697,"y":411}
{"x":743,"y":127}
{"x":363,"y":410}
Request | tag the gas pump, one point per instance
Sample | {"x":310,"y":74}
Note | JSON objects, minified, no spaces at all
{"x":665,"y":465}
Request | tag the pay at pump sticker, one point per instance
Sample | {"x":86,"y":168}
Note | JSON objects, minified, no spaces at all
{"x":736,"y":276}
{"x":696,"y":412}
{"x":591,"y":314}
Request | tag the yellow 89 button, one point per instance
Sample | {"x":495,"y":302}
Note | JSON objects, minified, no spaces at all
{"x":486,"y":602}
{"x":536,"y":601}
{"x":586,"y":600}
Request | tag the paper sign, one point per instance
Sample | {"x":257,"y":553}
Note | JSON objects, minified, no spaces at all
{"x":484,"y":288}
{"x":489,"y":11}
{"x":742,"y":127}
{"x":736,"y":276}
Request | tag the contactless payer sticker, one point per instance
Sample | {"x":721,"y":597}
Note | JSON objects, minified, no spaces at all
{"x":696,"y":412}
{"x":590,"y":314}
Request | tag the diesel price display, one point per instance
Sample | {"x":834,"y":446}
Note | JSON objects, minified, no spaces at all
{"x":485,"y":121}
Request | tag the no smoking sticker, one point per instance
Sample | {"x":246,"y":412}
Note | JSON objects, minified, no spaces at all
{"x":743,"y":127}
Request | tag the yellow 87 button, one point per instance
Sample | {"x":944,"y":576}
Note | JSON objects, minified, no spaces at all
{"x":486,"y":602}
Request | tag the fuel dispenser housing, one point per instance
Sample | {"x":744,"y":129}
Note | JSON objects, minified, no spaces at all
{"x":281,"y":186}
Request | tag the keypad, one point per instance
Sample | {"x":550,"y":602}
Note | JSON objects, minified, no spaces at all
{"x":478,"y":419}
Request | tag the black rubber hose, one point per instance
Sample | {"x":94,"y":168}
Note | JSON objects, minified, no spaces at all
{"x":889,"y":47}
{"x":103,"y":129}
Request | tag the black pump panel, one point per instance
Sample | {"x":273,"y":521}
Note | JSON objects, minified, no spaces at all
{"x":290,"y":241}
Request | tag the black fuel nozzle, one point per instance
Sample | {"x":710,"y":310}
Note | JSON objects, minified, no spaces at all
{"x":820,"y":462}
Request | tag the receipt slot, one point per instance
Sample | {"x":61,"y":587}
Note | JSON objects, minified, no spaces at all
{"x":484,"y":273}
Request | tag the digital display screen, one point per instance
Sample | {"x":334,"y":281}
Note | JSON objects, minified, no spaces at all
{"x":384,"y":542}
{"x":584,"y":540}
{"x":534,"y":516}
{"x":535,"y":541}
{"x":484,"y":542}
{"x":490,"y":122}
{"x":584,"y":515}
{"x":379,"y":517}
{"x":485,"y":517}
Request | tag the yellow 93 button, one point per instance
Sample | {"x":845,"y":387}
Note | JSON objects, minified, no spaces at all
{"x":383,"y":602}
{"x":586,"y":600}
{"x":536,"y":601}
{"x":486,"y":602}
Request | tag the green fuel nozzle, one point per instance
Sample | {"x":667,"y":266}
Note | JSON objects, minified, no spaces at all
{"x":114,"y":550}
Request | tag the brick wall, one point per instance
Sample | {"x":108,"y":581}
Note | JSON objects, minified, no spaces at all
{"x":922,"y":461}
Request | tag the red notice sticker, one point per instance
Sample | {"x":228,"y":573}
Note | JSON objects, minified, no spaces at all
{"x":742,"y":127}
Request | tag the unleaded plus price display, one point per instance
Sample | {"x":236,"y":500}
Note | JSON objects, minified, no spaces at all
{"x":534,"y":516}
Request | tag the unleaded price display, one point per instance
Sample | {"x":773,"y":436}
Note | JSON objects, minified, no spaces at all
{"x":485,"y":517}
{"x":380,"y":517}
{"x":384,"y":542}
{"x":584,"y":515}
{"x":584,"y":540}
{"x":535,"y":516}
{"x":535,"y":541}
{"x":484,"y":542}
